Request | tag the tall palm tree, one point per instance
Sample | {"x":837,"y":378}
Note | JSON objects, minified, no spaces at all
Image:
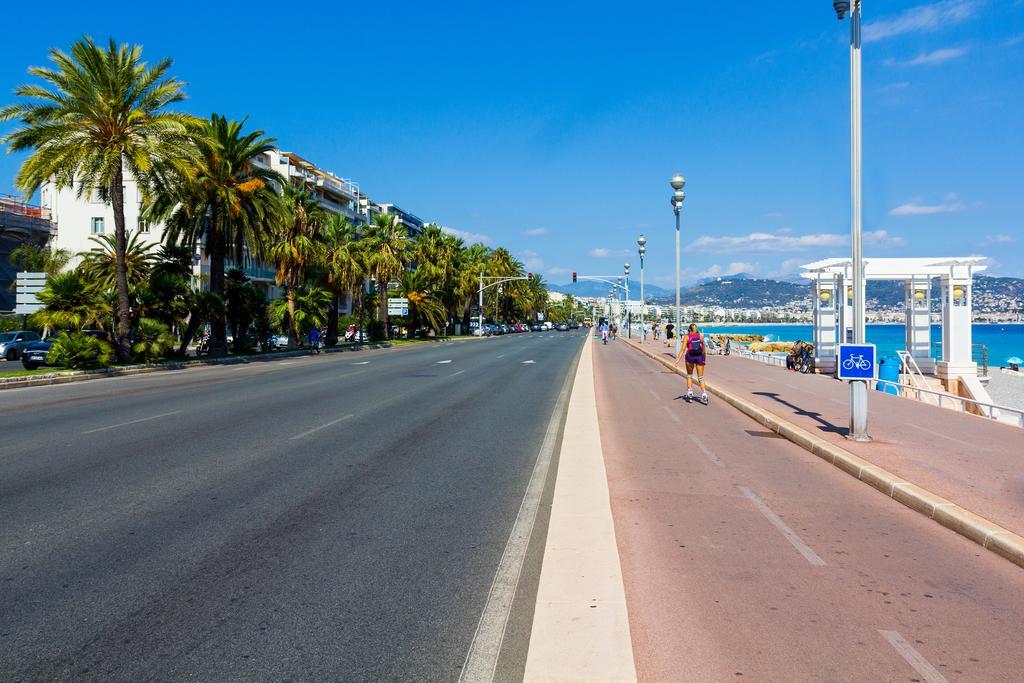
{"x":296,"y":246}
{"x":223,"y":198}
{"x":437,"y":255}
{"x":39,"y":259}
{"x":472,"y":262}
{"x":342,"y":265}
{"x":99,"y":112}
{"x":387,"y":248}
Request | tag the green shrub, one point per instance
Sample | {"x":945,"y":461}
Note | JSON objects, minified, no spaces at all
{"x":77,"y":351}
{"x":153,"y":341}
{"x":375,"y":330}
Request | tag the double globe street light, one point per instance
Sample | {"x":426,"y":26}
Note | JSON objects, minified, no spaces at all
{"x":642,"y":242}
{"x":678,"y":182}
{"x":629,"y":310}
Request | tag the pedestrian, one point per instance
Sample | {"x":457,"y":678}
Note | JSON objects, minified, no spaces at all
{"x":614,"y":330}
{"x":728,"y":345}
{"x":314,"y":334}
{"x":670,"y":334}
{"x":657,"y":332}
{"x":695,"y":356}
{"x":604,"y":332}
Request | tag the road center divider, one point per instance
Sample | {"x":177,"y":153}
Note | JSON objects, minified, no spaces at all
{"x":984,"y":532}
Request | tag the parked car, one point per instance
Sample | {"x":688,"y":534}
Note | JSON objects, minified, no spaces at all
{"x":13,"y":343}
{"x":562,"y":327}
{"x":34,"y":354}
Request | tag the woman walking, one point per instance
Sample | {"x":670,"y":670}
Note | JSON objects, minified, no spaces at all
{"x":695,"y":355}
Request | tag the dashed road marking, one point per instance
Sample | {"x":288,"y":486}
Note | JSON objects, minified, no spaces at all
{"x":131,"y":422}
{"x":442,"y":362}
{"x":456,"y":373}
{"x":527,"y":362}
{"x":913,"y":657}
{"x":706,"y":451}
{"x":777,"y":522}
{"x":362,"y":362}
{"x":675,"y":418}
{"x":323,"y":426}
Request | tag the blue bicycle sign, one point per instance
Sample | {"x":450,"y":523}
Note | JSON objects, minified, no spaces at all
{"x":856,"y":361}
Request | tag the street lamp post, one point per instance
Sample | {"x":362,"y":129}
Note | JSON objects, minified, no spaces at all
{"x":858,"y":388}
{"x":678,"y":182}
{"x":642,"y":241}
{"x":629,"y":310}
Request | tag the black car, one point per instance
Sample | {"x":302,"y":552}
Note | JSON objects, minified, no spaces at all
{"x":34,"y":355}
{"x":536,"y":327}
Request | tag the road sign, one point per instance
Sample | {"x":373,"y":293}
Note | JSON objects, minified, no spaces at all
{"x":857,"y":361}
{"x":398,"y":310}
{"x":398,"y":301}
{"x":27,"y":286}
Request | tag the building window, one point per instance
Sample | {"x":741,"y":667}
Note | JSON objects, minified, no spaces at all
{"x":144,"y":227}
{"x":97,"y":226}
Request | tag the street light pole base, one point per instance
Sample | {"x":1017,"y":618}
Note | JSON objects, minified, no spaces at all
{"x":863,"y":438}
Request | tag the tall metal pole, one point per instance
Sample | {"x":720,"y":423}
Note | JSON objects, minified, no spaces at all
{"x":480,"y":315}
{"x":643,"y":321}
{"x":629,"y":310}
{"x":677,"y":208}
{"x":858,"y":389}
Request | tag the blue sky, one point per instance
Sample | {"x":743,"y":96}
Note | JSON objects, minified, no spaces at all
{"x":552,"y":128}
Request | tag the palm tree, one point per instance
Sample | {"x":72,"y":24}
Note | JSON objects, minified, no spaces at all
{"x":437,"y":254}
{"x":472,"y":262}
{"x":305,"y":309}
{"x":100,"y":264}
{"x":223,"y":198}
{"x":387,"y":248}
{"x":70,"y":304}
{"x":99,"y":112}
{"x":425,"y":303}
{"x":39,"y":259}
{"x":342,"y":265}
{"x":297,"y":246}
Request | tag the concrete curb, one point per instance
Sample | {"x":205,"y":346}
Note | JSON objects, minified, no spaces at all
{"x":68,"y":376}
{"x":985,"y":533}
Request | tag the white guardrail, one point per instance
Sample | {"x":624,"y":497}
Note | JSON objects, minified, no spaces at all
{"x":989,"y":410}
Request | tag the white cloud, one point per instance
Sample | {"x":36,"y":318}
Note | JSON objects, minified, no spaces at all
{"x":914,"y":208}
{"x":934,"y":57}
{"x":772,"y":214}
{"x":734,"y":268}
{"x":790,"y":266}
{"x":998,"y":239}
{"x":924,"y":18}
{"x":535,"y":232}
{"x":531,"y":260}
{"x":882,"y":238}
{"x":1015,"y":40}
{"x":557,"y":270}
{"x":602,"y":252}
{"x":468,"y":237}
{"x":767,"y":242}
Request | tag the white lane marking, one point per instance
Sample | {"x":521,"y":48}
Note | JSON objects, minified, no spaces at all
{"x":950,"y":438}
{"x":287,"y":362}
{"x":456,"y":373}
{"x":707,"y":451}
{"x":653,"y":393}
{"x":790,"y":535}
{"x":442,"y":362}
{"x":131,"y":422}
{"x":913,"y":657}
{"x":527,"y":362}
{"x":482,"y":658}
{"x":364,"y":362}
{"x":675,"y":418}
{"x":323,"y":426}
{"x":501,"y":355}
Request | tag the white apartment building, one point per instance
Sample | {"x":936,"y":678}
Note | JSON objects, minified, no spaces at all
{"x":75,"y":219}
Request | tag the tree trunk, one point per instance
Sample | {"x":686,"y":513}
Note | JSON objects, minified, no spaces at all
{"x":293,"y":331}
{"x":382,"y":305}
{"x":194,"y":321}
{"x":218,"y":327}
{"x":332,"y":321}
{"x":122,"y":344}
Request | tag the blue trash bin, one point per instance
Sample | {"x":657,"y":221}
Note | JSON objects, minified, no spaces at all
{"x":889,"y":370}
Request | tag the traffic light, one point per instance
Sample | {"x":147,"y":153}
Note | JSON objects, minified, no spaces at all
{"x":574,"y":277}
{"x":529,"y":276}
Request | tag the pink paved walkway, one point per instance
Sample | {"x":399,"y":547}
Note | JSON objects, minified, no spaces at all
{"x":973,"y":462}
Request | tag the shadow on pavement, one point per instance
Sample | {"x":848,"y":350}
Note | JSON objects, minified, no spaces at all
{"x":826,"y":426}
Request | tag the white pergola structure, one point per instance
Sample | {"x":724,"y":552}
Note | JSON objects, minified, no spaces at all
{"x":832,"y":286}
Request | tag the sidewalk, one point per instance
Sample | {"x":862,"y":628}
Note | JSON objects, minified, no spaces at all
{"x":745,"y":557}
{"x":971,"y":461}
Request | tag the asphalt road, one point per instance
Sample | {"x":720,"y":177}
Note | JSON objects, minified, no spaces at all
{"x":330,"y":517}
{"x":746,"y":557}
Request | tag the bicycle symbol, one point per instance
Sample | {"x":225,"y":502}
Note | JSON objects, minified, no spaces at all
{"x":859,"y":362}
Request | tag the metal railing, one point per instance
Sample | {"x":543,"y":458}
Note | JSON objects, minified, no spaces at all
{"x":984,"y":409}
{"x":763,"y":356}
{"x":979,"y":354}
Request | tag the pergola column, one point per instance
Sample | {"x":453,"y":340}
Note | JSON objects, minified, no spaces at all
{"x":956,"y":325}
{"x":825,"y":325}
{"x":917,"y":292}
{"x":845,"y":292}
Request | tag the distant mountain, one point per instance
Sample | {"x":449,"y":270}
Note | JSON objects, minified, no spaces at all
{"x":991,"y":294}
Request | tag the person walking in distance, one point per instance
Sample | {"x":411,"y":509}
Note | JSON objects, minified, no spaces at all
{"x":670,"y":334}
{"x":314,"y":339}
{"x":695,"y":356}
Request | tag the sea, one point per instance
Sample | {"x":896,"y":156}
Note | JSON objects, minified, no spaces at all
{"x":1003,"y":340}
